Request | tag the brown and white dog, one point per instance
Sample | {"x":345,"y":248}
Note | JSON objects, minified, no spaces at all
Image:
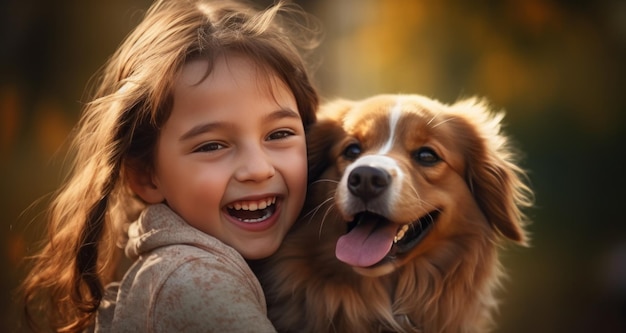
{"x":408,"y":203}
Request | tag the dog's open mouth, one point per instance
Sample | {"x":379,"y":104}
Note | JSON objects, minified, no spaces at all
{"x":371,"y":238}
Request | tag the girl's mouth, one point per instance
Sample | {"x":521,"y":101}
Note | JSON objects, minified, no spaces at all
{"x":252,"y":211}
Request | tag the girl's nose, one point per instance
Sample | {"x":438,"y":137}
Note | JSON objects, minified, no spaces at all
{"x":254,"y":165}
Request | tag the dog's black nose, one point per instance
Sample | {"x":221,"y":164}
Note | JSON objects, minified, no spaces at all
{"x":368,"y":182}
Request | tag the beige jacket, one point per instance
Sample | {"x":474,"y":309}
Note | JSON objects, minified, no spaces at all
{"x":183,"y":280}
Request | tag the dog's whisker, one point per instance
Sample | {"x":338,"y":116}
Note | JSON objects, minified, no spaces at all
{"x":324,"y":219}
{"x":429,"y":207}
{"x":414,"y":190}
{"x":314,"y":210}
{"x":426,"y":206}
{"x":432,"y":119}
{"x":442,"y":122}
{"x":420,"y":222}
{"x":325,"y":180}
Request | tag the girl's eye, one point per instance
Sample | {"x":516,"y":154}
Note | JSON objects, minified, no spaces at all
{"x":426,"y":156}
{"x":280,"y":135}
{"x":352,"y":151}
{"x":209,"y":146}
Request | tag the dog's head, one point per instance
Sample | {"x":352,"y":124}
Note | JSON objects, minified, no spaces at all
{"x":413,"y":174}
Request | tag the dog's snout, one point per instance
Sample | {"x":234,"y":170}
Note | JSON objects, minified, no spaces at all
{"x":368,"y":182}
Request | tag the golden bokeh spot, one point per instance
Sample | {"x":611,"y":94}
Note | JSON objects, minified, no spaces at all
{"x":16,"y":249}
{"x":10,"y":120}
{"x":52,"y":126}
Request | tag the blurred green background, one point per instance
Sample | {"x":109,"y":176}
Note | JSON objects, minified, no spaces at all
{"x":557,"y":67}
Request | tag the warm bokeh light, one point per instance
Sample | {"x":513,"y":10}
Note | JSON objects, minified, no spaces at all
{"x":10,"y":118}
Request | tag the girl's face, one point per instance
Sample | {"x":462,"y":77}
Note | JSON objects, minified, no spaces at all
{"x":231,"y":159}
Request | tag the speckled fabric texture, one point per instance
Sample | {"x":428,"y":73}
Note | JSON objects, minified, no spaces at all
{"x":183,"y":280}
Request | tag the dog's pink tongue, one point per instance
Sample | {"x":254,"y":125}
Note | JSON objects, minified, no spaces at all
{"x":366,"y":244}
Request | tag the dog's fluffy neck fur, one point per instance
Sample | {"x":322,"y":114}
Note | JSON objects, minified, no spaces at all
{"x":327,"y":288}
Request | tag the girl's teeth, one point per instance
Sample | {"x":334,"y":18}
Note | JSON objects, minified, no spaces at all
{"x":253,"y":205}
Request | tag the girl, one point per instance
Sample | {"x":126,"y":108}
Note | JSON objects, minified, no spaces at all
{"x":196,"y":133}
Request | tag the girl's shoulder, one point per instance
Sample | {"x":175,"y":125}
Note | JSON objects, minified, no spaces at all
{"x":191,"y":260}
{"x":226,"y":291}
{"x":184,"y":287}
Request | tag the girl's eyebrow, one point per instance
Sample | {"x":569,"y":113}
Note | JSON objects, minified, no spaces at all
{"x":207,"y":127}
{"x":282,"y":113}
{"x":199,"y":129}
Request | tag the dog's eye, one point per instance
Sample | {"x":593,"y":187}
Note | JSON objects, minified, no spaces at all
{"x":352,"y":151}
{"x":426,"y":156}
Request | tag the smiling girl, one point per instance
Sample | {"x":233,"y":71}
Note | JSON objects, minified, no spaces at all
{"x":197,"y":134}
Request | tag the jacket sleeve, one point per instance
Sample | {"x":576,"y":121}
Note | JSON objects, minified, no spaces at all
{"x":205,"y":295}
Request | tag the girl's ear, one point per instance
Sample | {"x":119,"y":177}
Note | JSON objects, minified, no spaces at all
{"x":142,"y":184}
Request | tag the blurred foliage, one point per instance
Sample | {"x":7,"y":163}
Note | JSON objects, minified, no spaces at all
{"x":556,"y":67}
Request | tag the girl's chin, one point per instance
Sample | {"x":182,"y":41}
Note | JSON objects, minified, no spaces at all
{"x":259,"y":251}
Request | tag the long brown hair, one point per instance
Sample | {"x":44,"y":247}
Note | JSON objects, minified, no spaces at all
{"x":119,"y":128}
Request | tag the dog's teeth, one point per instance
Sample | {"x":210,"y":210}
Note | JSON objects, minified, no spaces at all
{"x":401,"y":233}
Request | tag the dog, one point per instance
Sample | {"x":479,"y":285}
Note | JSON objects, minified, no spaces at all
{"x":408,"y":205}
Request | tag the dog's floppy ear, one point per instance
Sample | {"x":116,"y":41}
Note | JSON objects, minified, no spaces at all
{"x":321,"y":136}
{"x":496,"y":181}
